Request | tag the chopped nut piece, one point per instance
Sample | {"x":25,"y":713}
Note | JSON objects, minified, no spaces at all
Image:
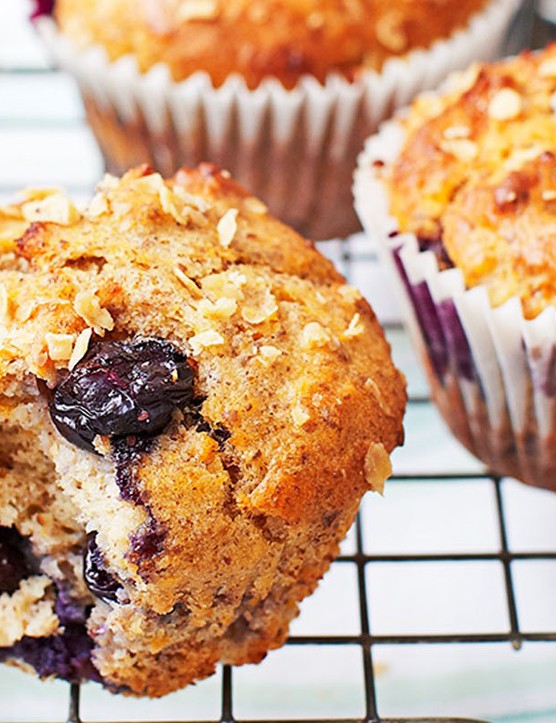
{"x":350,"y":293}
{"x":227,"y":227}
{"x":377,"y":467}
{"x":506,"y":104}
{"x":60,"y":346}
{"x":461,"y":148}
{"x":80,"y":347}
{"x":55,"y":208}
{"x":189,"y":284}
{"x":269,"y":352}
{"x":197,"y":10}
{"x":547,"y":69}
{"x":253,"y":205}
{"x":97,"y":206}
{"x":521,"y":156}
{"x":222,"y":308}
{"x":237,"y":278}
{"x":548,"y":195}
{"x":108,"y":183}
{"x":376,"y":391}
{"x":201,"y":204}
{"x":261,"y":312}
{"x":88,"y":307}
{"x":314,"y":334}
{"x":300,"y":415}
{"x":205,"y":339}
{"x":168,"y":203}
{"x":355,"y":327}
{"x":504,"y":197}
{"x":390,"y":33}
{"x":229,"y":283}
{"x":463,"y":80}
{"x":453,"y":132}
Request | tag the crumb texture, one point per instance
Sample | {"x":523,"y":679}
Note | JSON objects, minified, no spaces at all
{"x":200,"y":538}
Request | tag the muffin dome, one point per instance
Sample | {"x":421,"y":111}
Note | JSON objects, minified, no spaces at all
{"x":192,"y":403}
{"x":477,"y":173}
{"x":259,"y":38}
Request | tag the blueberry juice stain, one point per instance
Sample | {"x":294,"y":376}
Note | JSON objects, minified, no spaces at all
{"x":127,"y":391}
{"x":14,"y":561}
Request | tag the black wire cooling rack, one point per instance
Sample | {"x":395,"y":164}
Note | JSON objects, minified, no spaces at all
{"x":366,"y":642}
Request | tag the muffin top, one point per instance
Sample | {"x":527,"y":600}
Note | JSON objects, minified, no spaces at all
{"x":477,"y":172}
{"x":285,"y":39}
{"x":286,"y":401}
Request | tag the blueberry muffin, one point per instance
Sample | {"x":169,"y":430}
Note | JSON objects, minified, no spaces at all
{"x":287,"y":100}
{"x":192,"y":404}
{"x":468,"y":183}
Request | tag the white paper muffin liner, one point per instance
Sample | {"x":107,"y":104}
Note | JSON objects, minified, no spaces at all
{"x":296,"y":149}
{"x":492,"y":372}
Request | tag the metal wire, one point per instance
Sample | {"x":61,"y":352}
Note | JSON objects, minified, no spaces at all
{"x":367,"y":641}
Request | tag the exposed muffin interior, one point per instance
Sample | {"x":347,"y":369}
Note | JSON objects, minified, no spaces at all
{"x":192,"y":404}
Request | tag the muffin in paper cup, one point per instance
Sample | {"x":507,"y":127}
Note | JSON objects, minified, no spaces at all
{"x":459,"y":193}
{"x":294,"y":137}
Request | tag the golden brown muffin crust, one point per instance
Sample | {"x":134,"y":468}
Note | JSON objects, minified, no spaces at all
{"x":261,"y":38}
{"x":478,"y":171}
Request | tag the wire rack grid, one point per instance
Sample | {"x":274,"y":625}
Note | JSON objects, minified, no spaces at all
{"x":43,"y":140}
{"x":366,"y":642}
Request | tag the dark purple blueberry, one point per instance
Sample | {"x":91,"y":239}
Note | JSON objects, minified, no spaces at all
{"x":13,"y":562}
{"x":42,"y":7}
{"x":122,"y":388}
{"x":126,"y":453}
{"x":66,"y":656}
{"x":98,"y":580}
{"x":148,"y":541}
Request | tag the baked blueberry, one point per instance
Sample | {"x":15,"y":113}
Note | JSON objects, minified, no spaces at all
{"x":122,"y":388}
{"x":98,"y":580}
{"x":13,"y":564}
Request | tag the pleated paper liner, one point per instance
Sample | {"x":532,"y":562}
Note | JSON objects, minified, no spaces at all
{"x":492,"y":372}
{"x":296,"y":149}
